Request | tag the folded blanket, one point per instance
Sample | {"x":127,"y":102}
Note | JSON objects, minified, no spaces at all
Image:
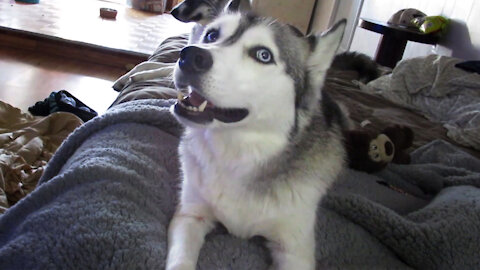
{"x":106,"y":198}
{"x":161,"y":87}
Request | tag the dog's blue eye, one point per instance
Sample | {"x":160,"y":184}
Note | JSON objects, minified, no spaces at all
{"x":262,"y":55}
{"x":211,"y":36}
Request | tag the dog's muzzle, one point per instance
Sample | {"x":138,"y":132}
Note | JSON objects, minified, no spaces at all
{"x":195,"y":60}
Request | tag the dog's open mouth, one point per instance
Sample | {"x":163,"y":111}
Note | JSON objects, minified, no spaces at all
{"x":199,"y":110}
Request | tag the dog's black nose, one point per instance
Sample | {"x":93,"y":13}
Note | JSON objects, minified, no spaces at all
{"x":195,"y":60}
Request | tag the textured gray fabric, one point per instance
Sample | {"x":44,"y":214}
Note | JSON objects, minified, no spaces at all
{"x":106,"y":197}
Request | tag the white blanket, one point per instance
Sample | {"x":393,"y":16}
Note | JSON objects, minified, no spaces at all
{"x":443,"y":93}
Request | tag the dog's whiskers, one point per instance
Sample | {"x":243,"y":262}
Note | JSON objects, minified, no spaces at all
{"x":272,"y":21}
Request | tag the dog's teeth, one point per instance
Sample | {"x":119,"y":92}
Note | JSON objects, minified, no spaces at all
{"x":180,"y":96}
{"x":195,"y":109}
{"x":202,"y":106}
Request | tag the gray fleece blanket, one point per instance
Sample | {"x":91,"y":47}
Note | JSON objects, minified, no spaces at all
{"x":106,"y":198}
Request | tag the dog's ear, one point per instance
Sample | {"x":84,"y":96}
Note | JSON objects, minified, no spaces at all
{"x":324,"y":47}
{"x":238,"y":6}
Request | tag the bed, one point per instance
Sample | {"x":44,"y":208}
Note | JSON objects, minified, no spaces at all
{"x":107,"y":195}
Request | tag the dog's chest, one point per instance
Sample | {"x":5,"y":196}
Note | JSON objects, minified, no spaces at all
{"x":224,"y":181}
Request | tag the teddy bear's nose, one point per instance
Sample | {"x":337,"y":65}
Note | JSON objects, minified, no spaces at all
{"x":388,"y":148}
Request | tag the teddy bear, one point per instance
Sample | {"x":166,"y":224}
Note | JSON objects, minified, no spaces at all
{"x":372,"y":152}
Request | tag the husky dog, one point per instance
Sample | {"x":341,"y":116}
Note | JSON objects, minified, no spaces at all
{"x":262,"y":142}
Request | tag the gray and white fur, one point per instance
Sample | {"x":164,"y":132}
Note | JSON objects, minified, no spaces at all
{"x":262,"y":141}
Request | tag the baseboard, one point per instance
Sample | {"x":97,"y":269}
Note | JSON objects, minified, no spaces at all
{"x":24,"y":40}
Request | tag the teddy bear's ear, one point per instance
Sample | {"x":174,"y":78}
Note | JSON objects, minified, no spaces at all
{"x":357,"y":138}
{"x":401,"y":136}
{"x":401,"y":158}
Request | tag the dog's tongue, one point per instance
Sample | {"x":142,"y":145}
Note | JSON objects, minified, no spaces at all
{"x":195,"y":99}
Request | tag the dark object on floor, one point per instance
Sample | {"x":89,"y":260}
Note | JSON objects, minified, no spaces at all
{"x":472,"y":66}
{"x":108,"y":13}
{"x":62,"y":101}
{"x":29,"y":1}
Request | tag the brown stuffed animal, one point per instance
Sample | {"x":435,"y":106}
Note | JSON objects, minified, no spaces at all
{"x":371,"y":153}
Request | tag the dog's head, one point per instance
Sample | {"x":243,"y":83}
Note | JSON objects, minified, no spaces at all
{"x":253,"y":72}
{"x":205,"y":11}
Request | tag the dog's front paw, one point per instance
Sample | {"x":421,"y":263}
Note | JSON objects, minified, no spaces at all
{"x":180,"y":266}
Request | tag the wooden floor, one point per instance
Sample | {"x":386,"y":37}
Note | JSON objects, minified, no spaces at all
{"x":80,"y":22}
{"x":27,"y":77}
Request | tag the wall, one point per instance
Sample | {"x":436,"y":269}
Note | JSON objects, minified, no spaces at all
{"x":297,"y":13}
{"x":324,"y":15}
{"x":350,"y":10}
{"x":462,"y":41}
{"x":328,"y":12}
